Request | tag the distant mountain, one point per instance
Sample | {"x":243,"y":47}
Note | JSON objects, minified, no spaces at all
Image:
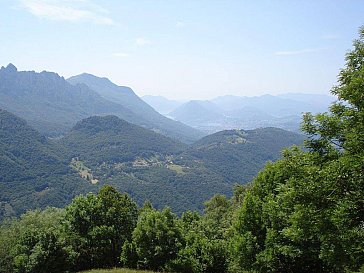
{"x":162,"y":104}
{"x":31,"y":173}
{"x":52,"y":105}
{"x":197,"y":112}
{"x":272,"y":105}
{"x":234,"y":112}
{"x":319,"y":101}
{"x":127,"y":98}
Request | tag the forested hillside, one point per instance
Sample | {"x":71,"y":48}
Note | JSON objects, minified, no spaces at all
{"x":230,"y":152}
{"x":32,"y":175}
{"x":149,"y":166}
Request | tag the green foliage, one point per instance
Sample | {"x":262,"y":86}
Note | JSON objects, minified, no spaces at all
{"x":305,"y":213}
{"x":157,"y":238}
{"x":109,"y":151}
{"x":34,"y":243}
{"x":112,"y":140}
{"x":32,"y":174}
{"x":248,"y":151}
{"x":99,"y":225}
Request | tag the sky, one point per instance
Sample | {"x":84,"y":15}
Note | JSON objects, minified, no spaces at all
{"x":186,"y":49}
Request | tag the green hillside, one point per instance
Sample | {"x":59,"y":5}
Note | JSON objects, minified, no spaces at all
{"x":112,"y":140}
{"x":237,"y":155}
{"x":108,"y":150}
{"x":32,"y":175}
{"x":149,"y":166}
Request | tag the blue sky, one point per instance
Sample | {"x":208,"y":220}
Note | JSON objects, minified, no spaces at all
{"x":187,"y":49}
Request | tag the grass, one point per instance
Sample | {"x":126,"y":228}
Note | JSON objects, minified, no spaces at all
{"x":116,"y":270}
{"x":177,"y":168}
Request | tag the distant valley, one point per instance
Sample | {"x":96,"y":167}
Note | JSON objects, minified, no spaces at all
{"x":233,"y":112}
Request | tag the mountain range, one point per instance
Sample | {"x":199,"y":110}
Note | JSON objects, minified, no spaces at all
{"x":53,"y":105}
{"x":234,"y":112}
{"x":60,"y":138}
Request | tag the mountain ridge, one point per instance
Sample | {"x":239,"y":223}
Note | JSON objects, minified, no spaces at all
{"x":126,"y":97}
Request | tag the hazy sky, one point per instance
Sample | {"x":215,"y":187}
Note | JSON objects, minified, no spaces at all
{"x":187,"y":48}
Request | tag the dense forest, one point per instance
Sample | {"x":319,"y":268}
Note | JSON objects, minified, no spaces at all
{"x":106,"y":150}
{"x":302,"y":213}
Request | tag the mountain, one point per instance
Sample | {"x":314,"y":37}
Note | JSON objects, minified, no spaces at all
{"x":237,"y":155}
{"x":108,"y":150}
{"x":105,"y":150}
{"x":234,"y":112}
{"x":196,"y":112}
{"x":31,"y":173}
{"x":319,"y":101}
{"x":162,"y":104}
{"x":279,"y":106}
{"x":52,"y":105}
{"x":112,"y":140}
{"x":127,"y":98}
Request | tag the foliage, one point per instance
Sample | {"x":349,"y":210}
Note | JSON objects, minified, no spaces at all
{"x":116,"y":270}
{"x":305,"y":212}
{"x":157,"y":238}
{"x":38,"y":171}
{"x":98,"y":226}
{"x":32,"y":174}
{"x":35,"y":243}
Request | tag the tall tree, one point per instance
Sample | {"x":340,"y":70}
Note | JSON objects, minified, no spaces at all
{"x":157,"y":238}
{"x":99,"y":225}
{"x":305,"y":213}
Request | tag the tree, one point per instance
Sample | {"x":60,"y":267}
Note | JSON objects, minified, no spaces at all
{"x":35,"y":243}
{"x":305,"y":213}
{"x":99,"y":225}
{"x":157,"y":238}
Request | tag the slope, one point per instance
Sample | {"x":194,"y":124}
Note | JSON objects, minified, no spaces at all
{"x":237,"y":155}
{"x":162,"y":104}
{"x":128,"y":99}
{"x":50,"y":104}
{"x":138,"y":161}
{"x":31,"y":174}
{"x":197,"y":112}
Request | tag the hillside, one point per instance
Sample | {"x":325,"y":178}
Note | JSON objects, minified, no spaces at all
{"x":32,"y":175}
{"x":149,"y":166}
{"x":237,"y":155}
{"x":113,"y":140}
{"x":127,"y":98}
{"x":108,"y":150}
